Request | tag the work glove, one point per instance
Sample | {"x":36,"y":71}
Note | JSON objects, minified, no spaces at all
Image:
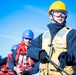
{"x":25,"y":72}
{"x":62,"y":59}
{"x":42,"y":56}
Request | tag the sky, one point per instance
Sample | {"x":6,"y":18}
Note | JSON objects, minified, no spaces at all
{"x":16,"y":16}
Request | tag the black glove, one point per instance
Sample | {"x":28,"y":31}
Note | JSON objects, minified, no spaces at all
{"x":62,"y":59}
{"x":42,"y":56}
{"x":25,"y":72}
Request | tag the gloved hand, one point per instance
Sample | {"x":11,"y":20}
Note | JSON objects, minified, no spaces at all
{"x":62,"y":59}
{"x":42,"y":56}
{"x":25,"y":72}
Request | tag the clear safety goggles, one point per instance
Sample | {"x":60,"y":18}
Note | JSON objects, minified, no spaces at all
{"x":62,"y":14}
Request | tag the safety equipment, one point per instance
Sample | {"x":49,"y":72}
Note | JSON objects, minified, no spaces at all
{"x":14,"y":47}
{"x":28,"y":34}
{"x":56,"y":66}
{"x":59,"y":46}
{"x":8,"y":59}
{"x":58,"y":5}
{"x":5,"y":69}
{"x":21,"y":58}
{"x":21,"y":49}
{"x":62,"y":14}
{"x":42,"y":56}
{"x":62,"y":59}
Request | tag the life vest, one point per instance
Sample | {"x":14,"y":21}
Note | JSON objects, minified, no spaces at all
{"x":5,"y":69}
{"x":0,"y":72}
{"x":21,"y":59}
{"x":53,"y":49}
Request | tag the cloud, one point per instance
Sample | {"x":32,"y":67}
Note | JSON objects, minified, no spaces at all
{"x":10,"y":37}
{"x":30,"y":7}
{"x":35,"y":9}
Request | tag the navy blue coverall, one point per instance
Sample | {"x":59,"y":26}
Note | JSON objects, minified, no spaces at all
{"x":36,"y":45}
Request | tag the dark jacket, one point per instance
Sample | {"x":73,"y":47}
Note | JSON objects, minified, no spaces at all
{"x":3,"y":61}
{"x":36,"y":45}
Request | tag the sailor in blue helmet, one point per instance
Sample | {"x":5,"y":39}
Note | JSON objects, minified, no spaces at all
{"x":3,"y":60}
{"x":20,"y":52}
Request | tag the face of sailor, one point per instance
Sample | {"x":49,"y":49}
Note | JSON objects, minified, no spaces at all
{"x":27,"y":41}
{"x":58,"y":16}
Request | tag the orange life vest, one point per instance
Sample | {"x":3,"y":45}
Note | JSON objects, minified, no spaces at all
{"x":5,"y":69}
{"x":21,"y":51}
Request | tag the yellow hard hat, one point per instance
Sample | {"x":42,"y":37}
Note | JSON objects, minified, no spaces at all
{"x":58,"y":5}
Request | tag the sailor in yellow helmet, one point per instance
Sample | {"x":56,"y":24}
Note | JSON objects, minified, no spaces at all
{"x":58,"y":6}
{"x":58,"y":43}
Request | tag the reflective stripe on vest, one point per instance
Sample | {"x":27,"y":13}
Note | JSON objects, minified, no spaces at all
{"x":58,"y":45}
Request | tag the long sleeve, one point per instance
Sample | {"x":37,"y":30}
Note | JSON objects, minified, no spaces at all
{"x":71,"y":47}
{"x":35,"y":68}
{"x":34,"y":48}
{"x":11,"y":61}
{"x":3,"y":61}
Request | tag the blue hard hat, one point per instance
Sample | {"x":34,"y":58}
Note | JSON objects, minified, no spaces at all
{"x":14,"y":47}
{"x":0,"y":57}
{"x":28,"y":34}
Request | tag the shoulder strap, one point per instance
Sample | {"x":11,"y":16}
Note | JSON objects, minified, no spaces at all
{"x":63,"y":31}
{"x":17,"y":54}
{"x":59,"y":40}
{"x":8,"y":58}
{"x":46,"y":40}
